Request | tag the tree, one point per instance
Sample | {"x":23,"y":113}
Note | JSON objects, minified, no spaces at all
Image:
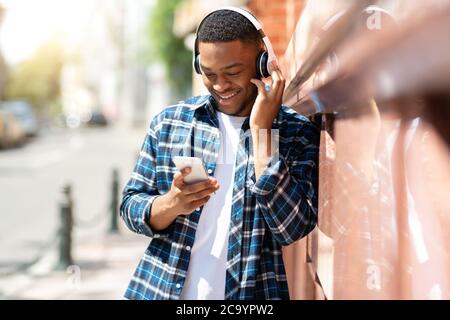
{"x":3,"y":76}
{"x":169,"y":49}
{"x":38,"y":79}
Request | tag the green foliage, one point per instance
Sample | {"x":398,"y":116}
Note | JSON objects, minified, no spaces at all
{"x":169,"y":49}
{"x":38,"y":79}
{"x":3,"y":76}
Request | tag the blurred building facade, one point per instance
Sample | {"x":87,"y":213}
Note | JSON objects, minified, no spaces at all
{"x":107,"y":73}
{"x":2,"y":63}
{"x":363,"y":75}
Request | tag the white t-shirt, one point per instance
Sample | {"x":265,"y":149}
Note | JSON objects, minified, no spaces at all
{"x":206,"y":273}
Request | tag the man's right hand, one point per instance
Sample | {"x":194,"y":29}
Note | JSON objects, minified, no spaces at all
{"x":185,"y":198}
{"x":182,"y":199}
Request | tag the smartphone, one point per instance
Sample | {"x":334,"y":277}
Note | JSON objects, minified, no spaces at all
{"x":198,"y":172}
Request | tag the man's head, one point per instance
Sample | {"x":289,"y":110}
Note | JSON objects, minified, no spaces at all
{"x":229,"y":45}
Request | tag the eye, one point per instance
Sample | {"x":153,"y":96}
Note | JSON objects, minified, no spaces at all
{"x":233,"y":74}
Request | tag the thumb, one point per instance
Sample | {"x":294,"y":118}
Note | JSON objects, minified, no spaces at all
{"x":178,"y":179}
{"x":260,"y":85}
{"x":185,"y":171}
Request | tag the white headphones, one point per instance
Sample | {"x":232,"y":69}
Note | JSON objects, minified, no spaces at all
{"x":264,"y":58}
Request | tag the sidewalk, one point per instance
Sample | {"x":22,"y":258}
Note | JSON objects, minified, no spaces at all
{"x":102,"y":269}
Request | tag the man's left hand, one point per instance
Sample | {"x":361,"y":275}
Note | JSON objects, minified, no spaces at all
{"x":267,"y":103}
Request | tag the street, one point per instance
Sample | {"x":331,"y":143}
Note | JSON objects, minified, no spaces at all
{"x":32,"y":180}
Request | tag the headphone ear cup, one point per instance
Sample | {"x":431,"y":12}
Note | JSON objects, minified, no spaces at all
{"x":197,"y":64}
{"x":262,"y":66}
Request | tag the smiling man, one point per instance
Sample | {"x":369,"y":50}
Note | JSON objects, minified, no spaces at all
{"x":228,"y":68}
{"x":222,"y":238}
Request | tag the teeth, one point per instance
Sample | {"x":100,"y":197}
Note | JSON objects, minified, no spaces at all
{"x":229,"y":96}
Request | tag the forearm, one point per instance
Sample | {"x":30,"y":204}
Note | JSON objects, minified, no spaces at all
{"x":262,"y":149}
{"x":162,"y":213}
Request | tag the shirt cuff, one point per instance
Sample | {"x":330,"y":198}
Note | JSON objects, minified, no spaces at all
{"x":272,"y":175}
{"x":145,"y":226}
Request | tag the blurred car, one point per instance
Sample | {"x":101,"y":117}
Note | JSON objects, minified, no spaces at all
{"x":12,"y":134}
{"x":24,"y":113}
{"x":72,"y":121}
{"x":97,"y":119}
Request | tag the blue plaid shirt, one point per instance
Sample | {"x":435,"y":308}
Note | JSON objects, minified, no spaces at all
{"x":267,"y":214}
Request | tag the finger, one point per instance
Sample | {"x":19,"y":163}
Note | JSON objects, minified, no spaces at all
{"x":200,"y":202}
{"x":185,"y":171}
{"x":276,"y":76}
{"x":199,"y":186}
{"x":276,"y":71}
{"x":178,"y":179}
{"x":201,"y":194}
{"x":268,"y":83}
{"x":274,"y":66}
{"x":278,"y":81}
{"x":260,"y":85}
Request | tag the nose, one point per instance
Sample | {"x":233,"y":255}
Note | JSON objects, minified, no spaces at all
{"x":221,"y":85}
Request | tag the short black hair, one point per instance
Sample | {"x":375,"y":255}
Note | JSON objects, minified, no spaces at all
{"x":227,"y":25}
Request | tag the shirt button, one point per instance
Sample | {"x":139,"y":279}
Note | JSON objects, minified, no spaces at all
{"x":178,"y":286}
{"x":209,"y":171}
{"x":188,"y":248}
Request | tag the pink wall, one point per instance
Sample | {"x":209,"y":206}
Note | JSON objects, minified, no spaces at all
{"x":384,"y":181}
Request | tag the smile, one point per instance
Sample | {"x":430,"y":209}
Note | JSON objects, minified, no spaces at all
{"x":228,"y":96}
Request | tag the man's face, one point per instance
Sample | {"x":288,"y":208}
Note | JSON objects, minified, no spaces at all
{"x":227,"y":68}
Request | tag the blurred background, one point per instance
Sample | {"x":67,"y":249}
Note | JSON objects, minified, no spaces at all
{"x":81,"y":80}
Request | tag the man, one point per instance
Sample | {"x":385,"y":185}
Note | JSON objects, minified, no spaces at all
{"x":222,"y":238}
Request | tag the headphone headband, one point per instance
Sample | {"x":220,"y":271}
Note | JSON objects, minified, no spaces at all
{"x":251,"y":19}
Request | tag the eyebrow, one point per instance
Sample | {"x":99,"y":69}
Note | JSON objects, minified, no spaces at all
{"x":236,"y":64}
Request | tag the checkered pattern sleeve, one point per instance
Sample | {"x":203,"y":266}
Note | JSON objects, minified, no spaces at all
{"x":141,"y":190}
{"x":286,"y":191}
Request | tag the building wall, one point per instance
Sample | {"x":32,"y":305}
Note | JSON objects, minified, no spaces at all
{"x":278,"y":19}
{"x":383,"y":219}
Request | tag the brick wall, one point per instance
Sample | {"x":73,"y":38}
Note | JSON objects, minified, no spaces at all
{"x":279,"y":18}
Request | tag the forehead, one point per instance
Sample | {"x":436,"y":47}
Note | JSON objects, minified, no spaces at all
{"x":216,"y":54}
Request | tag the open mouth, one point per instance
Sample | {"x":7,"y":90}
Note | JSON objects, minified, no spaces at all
{"x":227,"y":98}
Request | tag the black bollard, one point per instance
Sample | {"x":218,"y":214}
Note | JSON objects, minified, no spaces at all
{"x":65,"y":231}
{"x":114,"y":201}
